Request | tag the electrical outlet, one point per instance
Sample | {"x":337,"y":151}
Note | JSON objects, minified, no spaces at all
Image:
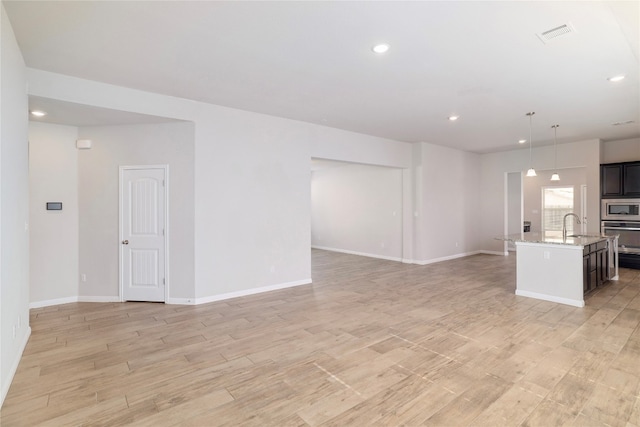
{"x":83,"y":277}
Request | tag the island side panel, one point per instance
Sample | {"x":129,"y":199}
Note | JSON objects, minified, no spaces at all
{"x":550,"y":272}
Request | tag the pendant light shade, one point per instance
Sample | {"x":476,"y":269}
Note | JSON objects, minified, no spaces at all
{"x":555,"y":176}
{"x":531,"y":171}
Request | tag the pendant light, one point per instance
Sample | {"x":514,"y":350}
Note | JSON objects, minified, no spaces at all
{"x":555,"y":176}
{"x":531,"y":171}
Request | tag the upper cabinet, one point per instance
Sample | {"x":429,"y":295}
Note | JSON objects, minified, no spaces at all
{"x":611,"y":180}
{"x":620,"y":180}
{"x":631,"y":179}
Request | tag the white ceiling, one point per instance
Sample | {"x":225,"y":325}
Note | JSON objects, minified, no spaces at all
{"x":312,"y":61}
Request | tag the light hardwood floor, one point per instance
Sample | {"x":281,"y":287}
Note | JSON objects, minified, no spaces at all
{"x":371,"y":342}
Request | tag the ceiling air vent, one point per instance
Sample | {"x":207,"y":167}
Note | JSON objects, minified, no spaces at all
{"x":628,"y":122}
{"x":553,"y":33}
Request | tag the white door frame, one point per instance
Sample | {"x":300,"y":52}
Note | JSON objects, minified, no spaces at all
{"x":122,"y":169}
{"x":583,"y":207}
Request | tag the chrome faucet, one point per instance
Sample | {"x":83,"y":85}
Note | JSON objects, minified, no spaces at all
{"x":564,"y":224}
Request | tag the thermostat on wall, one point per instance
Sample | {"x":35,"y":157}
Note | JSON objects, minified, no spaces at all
{"x":54,"y":206}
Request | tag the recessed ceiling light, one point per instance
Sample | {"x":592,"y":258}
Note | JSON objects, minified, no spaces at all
{"x":38,"y":113}
{"x":522,"y":141}
{"x":616,"y":78}
{"x":380,"y":48}
{"x":453,"y":118}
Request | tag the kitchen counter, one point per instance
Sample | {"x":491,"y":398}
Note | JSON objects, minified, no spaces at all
{"x":533,"y":237}
{"x":563,"y":270}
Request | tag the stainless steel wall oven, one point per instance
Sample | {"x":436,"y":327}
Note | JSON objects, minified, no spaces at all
{"x":622,"y":217}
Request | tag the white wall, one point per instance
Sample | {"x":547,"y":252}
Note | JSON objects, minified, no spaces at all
{"x":335,"y":144}
{"x":448,"y":200}
{"x":53,"y":177}
{"x":14,"y":206}
{"x":252,"y":182}
{"x":514,"y":205}
{"x":357,"y":209}
{"x":624,"y":150}
{"x":98,"y":177}
{"x":252,"y":203}
{"x":494,"y":165}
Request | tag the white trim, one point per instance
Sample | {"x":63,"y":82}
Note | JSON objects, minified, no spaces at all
{"x":84,"y":298}
{"x":50,"y":302}
{"x":14,"y":367}
{"x":545,"y":297}
{"x":505,"y":253}
{"x":181,"y":301}
{"x":446,"y":258}
{"x":345,"y":251}
{"x":87,"y":298}
{"x":252,"y":291}
{"x":411,"y":261}
{"x":165,"y":168}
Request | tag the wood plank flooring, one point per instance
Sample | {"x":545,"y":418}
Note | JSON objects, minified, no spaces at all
{"x":371,"y":342}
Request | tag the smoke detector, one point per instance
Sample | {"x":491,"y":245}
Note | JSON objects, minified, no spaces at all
{"x":553,"y":33}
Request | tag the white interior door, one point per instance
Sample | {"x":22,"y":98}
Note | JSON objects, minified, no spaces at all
{"x":142,"y":233}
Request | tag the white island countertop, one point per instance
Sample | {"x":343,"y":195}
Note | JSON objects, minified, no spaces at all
{"x":533,"y":237}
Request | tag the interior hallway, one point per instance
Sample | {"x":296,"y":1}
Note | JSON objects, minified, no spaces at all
{"x":371,"y":342}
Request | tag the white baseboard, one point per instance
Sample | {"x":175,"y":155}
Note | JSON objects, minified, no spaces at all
{"x":410,"y":261}
{"x":567,"y":301}
{"x":87,"y":298}
{"x":6,"y":382}
{"x":345,"y":251}
{"x":57,"y":301}
{"x":500,"y":253}
{"x":446,"y":258}
{"x":252,"y":291}
{"x":181,"y":301}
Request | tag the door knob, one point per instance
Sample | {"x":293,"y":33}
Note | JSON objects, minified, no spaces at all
{"x":125,"y":242}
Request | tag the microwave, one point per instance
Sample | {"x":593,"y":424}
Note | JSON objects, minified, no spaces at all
{"x":627,"y":209}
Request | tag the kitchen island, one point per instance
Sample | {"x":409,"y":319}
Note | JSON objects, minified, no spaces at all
{"x":563,"y":270}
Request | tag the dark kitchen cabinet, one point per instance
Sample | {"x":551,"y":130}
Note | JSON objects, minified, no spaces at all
{"x":611,"y":180}
{"x":631,"y":180}
{"x":595,"y":266}
{"x":620,"y":180}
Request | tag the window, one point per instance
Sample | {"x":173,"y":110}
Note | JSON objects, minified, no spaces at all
{"x":556,"y":203}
